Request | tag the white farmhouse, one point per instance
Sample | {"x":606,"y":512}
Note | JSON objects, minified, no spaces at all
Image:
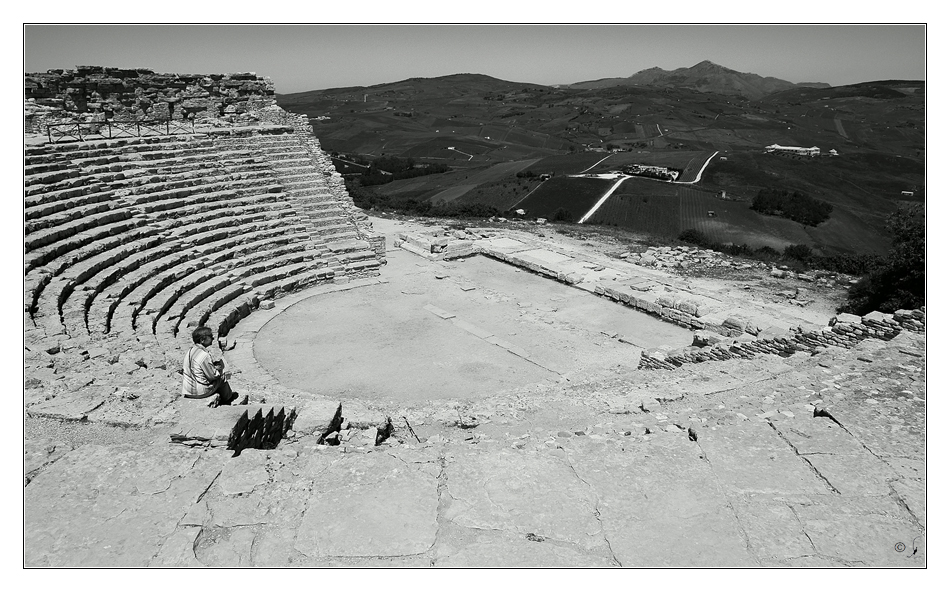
{"x":795,"y":150}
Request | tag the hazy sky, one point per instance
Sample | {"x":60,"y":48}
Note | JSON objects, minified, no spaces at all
{"x":306,"y":57}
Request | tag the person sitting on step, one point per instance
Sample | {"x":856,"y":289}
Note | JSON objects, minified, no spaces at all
{"x":202,"y":376}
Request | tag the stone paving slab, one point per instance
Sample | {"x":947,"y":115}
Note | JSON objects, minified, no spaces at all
{"x":660,"y":505}
{"x":860,"y":531}
{"x":40,"y":453}
{"x":752,"y":458}
{"x":543,"y":256}
{"x":522,"y":493}
{"x":367,"y":506}
{"x":111,"y":506}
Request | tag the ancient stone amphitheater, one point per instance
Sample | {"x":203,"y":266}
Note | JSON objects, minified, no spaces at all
{"x":156,"y":203}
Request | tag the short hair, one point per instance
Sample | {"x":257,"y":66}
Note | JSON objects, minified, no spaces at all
{"x":200,"y":333}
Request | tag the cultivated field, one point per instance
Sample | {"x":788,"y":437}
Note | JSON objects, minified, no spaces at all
{"x":574,"y":195}
{"x":452,"y":185}
{"x":567,"y":164}
{"x":652,"y":214}
{"x":666,"y":210}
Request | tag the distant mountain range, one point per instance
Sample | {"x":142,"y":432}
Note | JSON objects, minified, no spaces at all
{"x":703,"y":77}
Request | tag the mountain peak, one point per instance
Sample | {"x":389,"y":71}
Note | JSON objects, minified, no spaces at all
{"x":706,"y":76}
{"x":706,"y":65}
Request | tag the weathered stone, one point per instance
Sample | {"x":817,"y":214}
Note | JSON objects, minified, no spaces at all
{"x":241,"y":474}
{"x":522,"y":492}
{"x":110,"y":506}
{"x":656,"y":508}
{"x":843,"y":317}
{"x":493,"y":549}
{"x":318,"y":417}
{"x":370,"y":505}
{"x":752,"y":458}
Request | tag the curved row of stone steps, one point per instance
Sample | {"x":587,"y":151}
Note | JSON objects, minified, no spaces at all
{"x":200,"y":239}
{"x":70,"y":236}
{"x":149,"y":238}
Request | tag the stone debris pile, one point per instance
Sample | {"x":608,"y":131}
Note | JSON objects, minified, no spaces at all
{"x":684,"y":258}
{"x":678,"y":257}
{"x":844,"y":330}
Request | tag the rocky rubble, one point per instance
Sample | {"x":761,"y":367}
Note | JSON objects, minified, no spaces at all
{"x":686,"y":259}
{"x":844,"y":330}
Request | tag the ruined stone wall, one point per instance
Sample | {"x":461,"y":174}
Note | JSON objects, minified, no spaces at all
{"x":845,"y":330}
{"x":96,"y":93}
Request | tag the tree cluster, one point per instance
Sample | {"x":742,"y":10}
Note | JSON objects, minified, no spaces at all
{"x":898,"y":281}
{"x":796,"y":206}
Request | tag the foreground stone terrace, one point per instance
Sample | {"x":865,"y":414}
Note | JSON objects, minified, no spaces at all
{"x":802,"y":462}
{"x":799,"y":461}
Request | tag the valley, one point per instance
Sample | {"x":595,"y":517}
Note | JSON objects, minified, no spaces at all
{"x":498,"y":138}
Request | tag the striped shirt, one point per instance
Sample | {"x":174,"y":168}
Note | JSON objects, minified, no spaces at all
{"x":198,"y":374}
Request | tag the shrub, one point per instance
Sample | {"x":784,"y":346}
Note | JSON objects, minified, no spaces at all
{"x":694,"y":237}
{"x":797,"y":206}
{"x":798,"y":252}
{"x":899,"y":280}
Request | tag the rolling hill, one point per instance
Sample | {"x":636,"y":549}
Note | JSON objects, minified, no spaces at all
{"x":476,"y":123}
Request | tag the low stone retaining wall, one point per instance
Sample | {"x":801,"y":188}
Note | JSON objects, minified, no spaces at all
{"x":436,"y":245}
{"x":844,"y":330}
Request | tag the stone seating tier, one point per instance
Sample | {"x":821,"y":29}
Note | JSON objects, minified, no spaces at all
{"x":44,"y":167}
{"x":34,"y":196}
{"x":89,"y":238}
{"x":48,"y":236}
{"x":244,"y":274}
{"x":103,"y":262}
{"x":133,"y":263}
{"x":130,"y":290}
{"x":36,"y":210}
{"x":261,"y":205}
{"x":66,"y":215}
{"x":193,"y":283}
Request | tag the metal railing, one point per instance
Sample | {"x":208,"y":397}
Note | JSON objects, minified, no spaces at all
{"x":79,"y":131}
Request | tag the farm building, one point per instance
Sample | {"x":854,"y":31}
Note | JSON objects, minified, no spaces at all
{"x":644,"y":170}
{"x":794,"y":150}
